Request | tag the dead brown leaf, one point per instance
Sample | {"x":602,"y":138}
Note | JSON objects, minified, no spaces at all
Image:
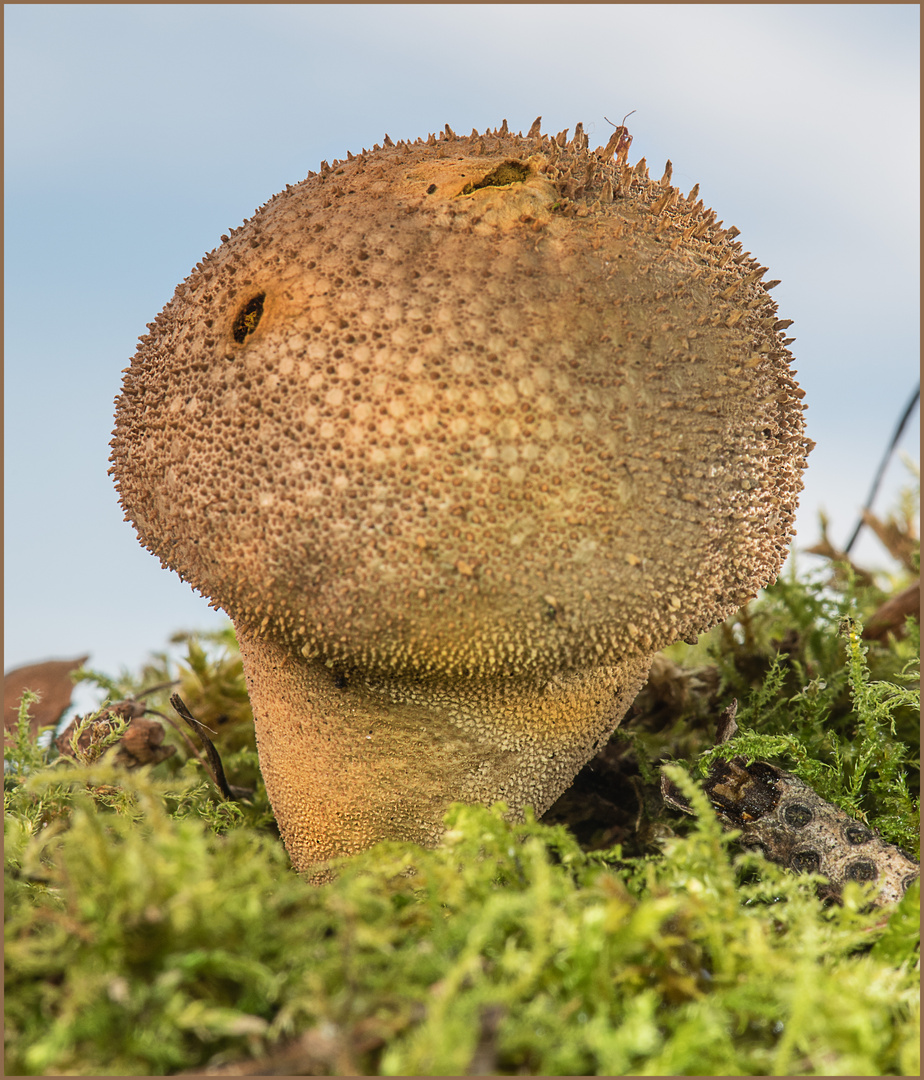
{"x":51,"y":681}
{"x":900,"y":543}
{"x":825,"y":548}
{"x":890,"y":616}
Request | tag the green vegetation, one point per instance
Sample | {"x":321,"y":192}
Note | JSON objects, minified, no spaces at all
{"x":152,"y":927}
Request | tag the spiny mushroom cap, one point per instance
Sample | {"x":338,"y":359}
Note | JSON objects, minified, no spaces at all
{"x":469,"y":405}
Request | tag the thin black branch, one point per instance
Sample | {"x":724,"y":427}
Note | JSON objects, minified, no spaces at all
{"x":190,"y":745}
{"x":880,"y":472}
{"x":216,"y":768}
{"x":153,"y":689}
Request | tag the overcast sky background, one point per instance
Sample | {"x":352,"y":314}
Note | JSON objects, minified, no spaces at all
{"x":135,"y":135}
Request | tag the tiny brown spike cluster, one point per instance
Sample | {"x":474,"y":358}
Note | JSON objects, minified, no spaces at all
{"x":460,"y":432}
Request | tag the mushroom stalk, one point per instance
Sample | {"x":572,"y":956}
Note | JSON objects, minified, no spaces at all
{"x":350,"y":760}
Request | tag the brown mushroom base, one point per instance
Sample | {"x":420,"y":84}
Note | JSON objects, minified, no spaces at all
{"x":350,"y":762}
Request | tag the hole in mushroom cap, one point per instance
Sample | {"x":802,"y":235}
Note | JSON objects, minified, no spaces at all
{"x":511,"y":172}
{"x":248,"y":318}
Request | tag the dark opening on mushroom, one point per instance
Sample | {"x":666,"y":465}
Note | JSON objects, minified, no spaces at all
{"x":510,"y":172}
{"x":248,"y":318}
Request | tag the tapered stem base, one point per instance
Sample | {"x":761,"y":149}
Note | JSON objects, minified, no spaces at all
{"x":350,"y":763}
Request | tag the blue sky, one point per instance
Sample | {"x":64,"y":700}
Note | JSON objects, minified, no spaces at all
{"x":135,"y":135}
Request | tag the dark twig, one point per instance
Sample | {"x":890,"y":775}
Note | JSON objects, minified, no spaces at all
{"x":880,"y":472}
{"x":139,"y":698}
{"x":190,"y":745}
{"x":215,"y":766}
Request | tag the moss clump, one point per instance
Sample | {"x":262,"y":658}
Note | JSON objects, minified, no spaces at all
{"x":142,"y":945}
{"x":153,"y":928}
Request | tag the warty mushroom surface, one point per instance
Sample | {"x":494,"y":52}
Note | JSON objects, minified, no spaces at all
{"x":460,"y":432}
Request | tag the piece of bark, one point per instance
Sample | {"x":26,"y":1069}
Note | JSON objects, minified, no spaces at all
{"x":890,"y":616}
{"x":897,"y":541}
{"x":780,"y":815}
{"x":51,"y":680}
{"x":826,"y":549}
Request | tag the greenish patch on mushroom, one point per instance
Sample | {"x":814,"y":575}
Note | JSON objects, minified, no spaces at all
{"x":510,"y":172}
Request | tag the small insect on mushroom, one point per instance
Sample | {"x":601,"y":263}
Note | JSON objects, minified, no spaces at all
{"x":621,"y":135}
{"x":460,"y":432}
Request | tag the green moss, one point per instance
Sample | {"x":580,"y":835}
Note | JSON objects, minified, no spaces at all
{"x":156,"y":945}
{"x":152,"y":927}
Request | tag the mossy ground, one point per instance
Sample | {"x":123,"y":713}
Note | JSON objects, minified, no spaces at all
{"x":153,"y":928}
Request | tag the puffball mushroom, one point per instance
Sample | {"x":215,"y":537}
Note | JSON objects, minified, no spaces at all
{"x":460,"y":433}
